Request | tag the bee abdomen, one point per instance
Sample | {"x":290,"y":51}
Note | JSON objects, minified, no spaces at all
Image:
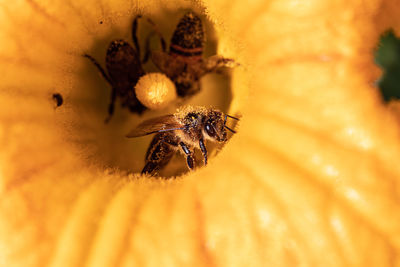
{"x":118,"y":50}
{"x":188,"y":37}
{"x":162,"y":148}
{"x":186,"y":52}
{"x":123,"y":64}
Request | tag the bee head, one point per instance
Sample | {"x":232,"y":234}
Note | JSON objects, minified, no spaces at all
{"x":214,"y":126}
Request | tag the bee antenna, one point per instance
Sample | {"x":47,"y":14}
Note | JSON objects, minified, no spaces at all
{"x":231,"y":117}
{"x":229,"y":129}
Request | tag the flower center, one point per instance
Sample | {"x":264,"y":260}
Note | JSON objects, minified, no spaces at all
{"x":103,"y":99}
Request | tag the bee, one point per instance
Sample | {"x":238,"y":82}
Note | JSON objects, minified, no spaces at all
{"x":186,"y":130}
{"x":184,"y":63}
{"x":124,"y":68}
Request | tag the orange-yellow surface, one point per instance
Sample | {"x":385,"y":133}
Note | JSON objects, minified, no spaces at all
{"x":310,"y":179}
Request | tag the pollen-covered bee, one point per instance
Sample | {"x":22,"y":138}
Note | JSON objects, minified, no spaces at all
{"x":187,"y":129}
{"x":124,"y":68}
{"x":184,"y":63}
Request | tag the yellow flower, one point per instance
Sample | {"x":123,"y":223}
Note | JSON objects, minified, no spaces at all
{"x":311,"y":178}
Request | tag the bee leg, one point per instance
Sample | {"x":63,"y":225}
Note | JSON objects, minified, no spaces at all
{"x":155,"y":30}
{"x":103,"y":73}
{"x":134,"y":33}
{"x":147,"y":46}
{"x":189,"y":155}
{"x":111,"y":105}
{"x":214,"y":63}
{"x":203,"y":150}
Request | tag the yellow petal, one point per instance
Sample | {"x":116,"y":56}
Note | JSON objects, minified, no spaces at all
{"x":311,"y":178}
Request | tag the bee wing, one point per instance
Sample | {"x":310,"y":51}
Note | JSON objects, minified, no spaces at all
{"x":156,"y":125}
{"x":169,"y":65}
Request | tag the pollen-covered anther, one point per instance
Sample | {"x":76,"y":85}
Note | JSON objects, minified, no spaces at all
{"x":155,"y":91}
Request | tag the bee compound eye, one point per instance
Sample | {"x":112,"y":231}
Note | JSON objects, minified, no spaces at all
{"x":210,"y":130}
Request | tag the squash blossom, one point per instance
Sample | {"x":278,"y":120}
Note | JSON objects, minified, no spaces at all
{"x":310,"y":179}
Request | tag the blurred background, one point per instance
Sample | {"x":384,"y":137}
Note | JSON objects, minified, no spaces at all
{"x":387,"y":56}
